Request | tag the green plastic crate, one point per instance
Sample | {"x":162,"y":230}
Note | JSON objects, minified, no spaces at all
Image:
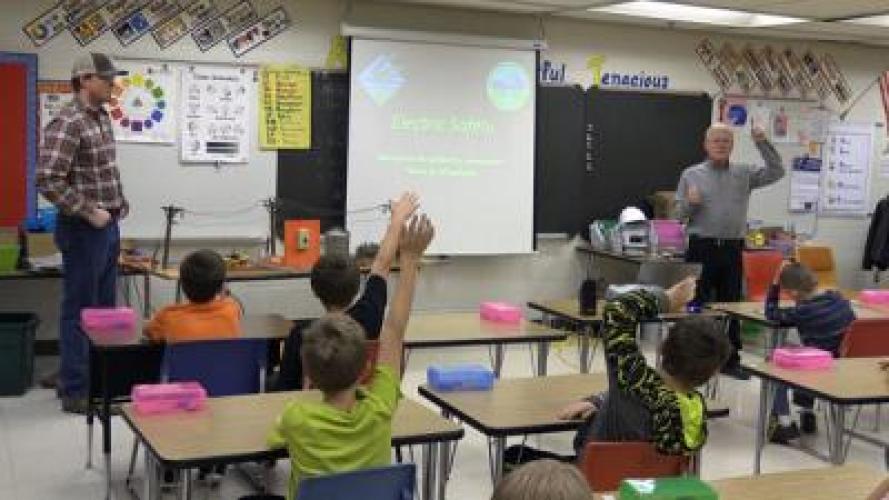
{"x":9,"y":257}
{"x":17,"y":331}
{"x":666,"y":488}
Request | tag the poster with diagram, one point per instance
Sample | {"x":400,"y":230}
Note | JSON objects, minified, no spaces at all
{"x":217,"y":105}
{"x":52,"y":96}
{"x":846,"y":176}
{"x":143,"y":102}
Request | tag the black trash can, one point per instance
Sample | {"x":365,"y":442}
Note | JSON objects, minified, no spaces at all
{"x":17,"y":331}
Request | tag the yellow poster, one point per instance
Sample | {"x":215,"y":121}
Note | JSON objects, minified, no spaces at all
{"x":285,"y":108}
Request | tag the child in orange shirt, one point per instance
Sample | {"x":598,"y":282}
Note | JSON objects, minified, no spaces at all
{"x":209,"y":313}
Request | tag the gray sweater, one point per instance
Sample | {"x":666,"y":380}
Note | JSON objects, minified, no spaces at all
{"x":725,"y":193}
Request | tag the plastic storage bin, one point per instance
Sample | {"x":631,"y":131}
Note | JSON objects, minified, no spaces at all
{"x":874,"y":297}
{"x":9,"y":257}
{"x":17,"y":332}
{"x":108,"y":319}
{"x":149,"y":399}
{"x":460,"y":377}
{"x":500,"y":312}
{"x":666,"y":488}
{"x":802,"y":358}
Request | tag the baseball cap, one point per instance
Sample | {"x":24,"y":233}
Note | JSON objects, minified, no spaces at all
{"x":94,"y":63}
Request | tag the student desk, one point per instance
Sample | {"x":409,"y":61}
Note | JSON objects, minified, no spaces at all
{"x":233,"y":429}
{"x":450,"y":329}
{"x":102,"y":387}
{"x":755,"y":313}
{"x":569,"y":310}
{"x":517,"y":406}
{"x":830,"y":483}
{"x":851,"y":381}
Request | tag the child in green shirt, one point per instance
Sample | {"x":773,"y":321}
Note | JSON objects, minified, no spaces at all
{"x":351,"y":427}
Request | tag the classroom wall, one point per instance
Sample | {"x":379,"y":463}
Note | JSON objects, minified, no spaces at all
{"x":555,"y":270}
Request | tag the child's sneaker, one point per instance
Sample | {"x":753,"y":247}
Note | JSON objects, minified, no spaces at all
{"x":807,"y":422}
{"x":782,"y":434}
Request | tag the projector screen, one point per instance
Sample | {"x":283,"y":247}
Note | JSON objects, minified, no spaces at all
{"x":456,"y":125}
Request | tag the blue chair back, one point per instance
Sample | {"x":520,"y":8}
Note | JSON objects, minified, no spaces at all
{"x":395,"y":482}
{"x":224,"y":367}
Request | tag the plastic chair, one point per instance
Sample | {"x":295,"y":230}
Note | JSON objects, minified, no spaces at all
{"x":866,"y":338}
{"x":760,"y":267}
{"x":606,"y":464}
{"x":395,"y":482}
{"x":225,"y":367}
{"x":820,"y":260}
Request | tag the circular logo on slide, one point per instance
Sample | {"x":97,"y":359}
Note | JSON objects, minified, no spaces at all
{"x":509,"y":86}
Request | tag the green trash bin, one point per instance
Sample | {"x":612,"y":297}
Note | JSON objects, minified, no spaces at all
{"x":17,"y":331}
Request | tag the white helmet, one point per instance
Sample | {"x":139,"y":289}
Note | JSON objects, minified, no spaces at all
{"x":630,"y":215}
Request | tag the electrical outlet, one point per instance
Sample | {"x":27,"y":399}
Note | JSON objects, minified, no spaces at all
{"x":303,"y":236}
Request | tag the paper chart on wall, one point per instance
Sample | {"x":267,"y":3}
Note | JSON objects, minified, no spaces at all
{"x":846,"y":177}
{"x":143,"y":103}
{"x":217,"y":105}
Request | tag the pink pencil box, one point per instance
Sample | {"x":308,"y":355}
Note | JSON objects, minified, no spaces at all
{"x":670,"y":234}
{"x":108,"y":319}
{"x":802,"y":358}
{"x":874,"y":297}
{"x":151,"y":399}
{"x":500,"y":312}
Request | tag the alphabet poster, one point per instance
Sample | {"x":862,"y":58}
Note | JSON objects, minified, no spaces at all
{"x":216,"y":108}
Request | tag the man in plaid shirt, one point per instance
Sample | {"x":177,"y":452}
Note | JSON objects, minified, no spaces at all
{"x":77,"y":171}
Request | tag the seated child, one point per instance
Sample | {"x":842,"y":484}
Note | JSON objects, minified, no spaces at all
{"x":209,"y":313}
{"x":821,"y":320}
{"x":543,"y":480}
{"x":336,"y":280}
{"x":351,"y":426}
{"x":643,"y":403}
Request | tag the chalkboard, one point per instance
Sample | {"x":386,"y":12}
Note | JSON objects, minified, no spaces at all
{"x":602,"y":150}
{"x":312,"y":183}
{"x":597,"y":152}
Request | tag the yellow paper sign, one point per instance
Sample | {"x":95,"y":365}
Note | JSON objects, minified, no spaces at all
{"x":285,"y":107}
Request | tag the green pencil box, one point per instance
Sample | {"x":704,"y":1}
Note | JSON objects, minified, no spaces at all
{"x":667,"y":488}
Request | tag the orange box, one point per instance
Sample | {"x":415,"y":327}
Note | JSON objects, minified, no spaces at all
{"x":302,"y":243}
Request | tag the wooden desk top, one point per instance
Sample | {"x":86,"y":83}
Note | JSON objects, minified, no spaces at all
{"x":250,"y":273}
{"x":253,"y":326}
{"x":570,"y":310}
{"x":829,"y":483}
{"x":234,"y":428}
{"x":755,"y":311}
{"x":849,"y":381}
{"x":519,"y":405}
{"x":467,"y":328}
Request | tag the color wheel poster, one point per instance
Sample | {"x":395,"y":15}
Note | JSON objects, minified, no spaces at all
{"x":217,"y":104}
{"x":142,"y":103}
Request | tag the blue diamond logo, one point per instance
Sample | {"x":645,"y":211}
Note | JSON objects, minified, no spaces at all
{"x":381,"y":79}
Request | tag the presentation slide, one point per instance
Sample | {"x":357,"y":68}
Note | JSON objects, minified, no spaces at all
{"x":456,"y":125}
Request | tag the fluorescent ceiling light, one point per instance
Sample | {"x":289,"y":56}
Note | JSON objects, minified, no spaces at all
{"x":695,"y":14}
{"x":882,"y":20}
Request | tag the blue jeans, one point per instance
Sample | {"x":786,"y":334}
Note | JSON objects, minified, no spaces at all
{"x":89,"y":256}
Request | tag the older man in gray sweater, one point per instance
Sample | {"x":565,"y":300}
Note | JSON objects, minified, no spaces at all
{"x":713,"y":197}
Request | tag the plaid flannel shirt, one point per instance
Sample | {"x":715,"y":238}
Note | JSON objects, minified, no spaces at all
{"x":77,"y":168}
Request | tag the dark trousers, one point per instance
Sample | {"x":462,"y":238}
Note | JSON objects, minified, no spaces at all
{"x":89,"y":257}
{"x":721,"y":278}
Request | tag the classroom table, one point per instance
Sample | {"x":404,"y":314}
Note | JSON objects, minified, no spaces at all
{"x":569,"y":310}
{"x":102,"y":347}
{"x":829,"y":483}
{"x":265,"y":272}
{"x":233,"y":430}
{"x":516,"y":406}
{"x":851,"y":381}
{"x":618,"y":267}
{"x":452,"y":329}
{"x":776,"y":334}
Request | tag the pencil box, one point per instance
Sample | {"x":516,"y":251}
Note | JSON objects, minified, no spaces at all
{"x":500,"y":312}
{"x":150,"y":399}
{"x":666,"y":488}
{"x":108,"y":319}
{"x":460,"y":377}
{"x":874,"y":297}
{"x":802,"y":358}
